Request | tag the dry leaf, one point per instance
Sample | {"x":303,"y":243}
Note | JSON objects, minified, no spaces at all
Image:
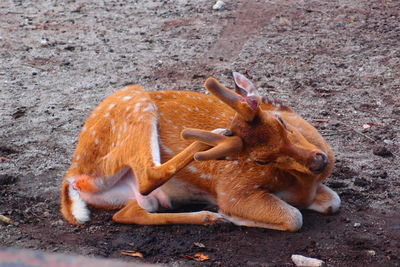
{"x":2,"y":159}
{"x":5,"y":219}
{"x":197,"y":257}
{"x":132,"y":253}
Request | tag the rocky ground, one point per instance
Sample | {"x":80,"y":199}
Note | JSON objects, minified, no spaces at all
{"x":335,"y":62}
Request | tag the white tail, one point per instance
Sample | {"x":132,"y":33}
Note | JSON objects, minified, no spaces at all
{"x":131,"y":147}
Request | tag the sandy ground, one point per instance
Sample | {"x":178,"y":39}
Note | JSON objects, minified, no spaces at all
{"x":335,"y":62}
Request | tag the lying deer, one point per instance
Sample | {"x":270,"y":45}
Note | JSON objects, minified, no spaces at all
{"x":130,"y":157}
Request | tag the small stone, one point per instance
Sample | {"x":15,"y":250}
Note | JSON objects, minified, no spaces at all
{"x":219,"y":5}
{"x":300,"y":260}
{"x":371,"y":252}
{"x":388,"y":142}
{"x":44,"y":41}
{"x":366,"y":126}
{"x":356,"y":225}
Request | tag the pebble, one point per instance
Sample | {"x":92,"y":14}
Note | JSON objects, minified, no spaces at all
{"x":371,"y":252}
{"x":356,"y":225}
{"x":219,"y":5}
{"x":300,"y":260}
{"x":388,"y":142}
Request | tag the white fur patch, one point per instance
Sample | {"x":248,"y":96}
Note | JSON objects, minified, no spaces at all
{"x":155,"y":147}
{"x":329,"y":206}
{"x":78,"y":208}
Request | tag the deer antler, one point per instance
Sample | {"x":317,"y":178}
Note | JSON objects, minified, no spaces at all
{"x":223,"y":144}
{"x":246,"y":106}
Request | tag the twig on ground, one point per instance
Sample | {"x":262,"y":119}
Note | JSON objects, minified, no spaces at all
{"x":366,"y":136}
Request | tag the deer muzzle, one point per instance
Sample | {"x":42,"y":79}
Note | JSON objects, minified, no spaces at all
{"x":319,"y":163}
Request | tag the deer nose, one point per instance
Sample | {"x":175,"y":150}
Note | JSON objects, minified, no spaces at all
{"x":319,"y":163}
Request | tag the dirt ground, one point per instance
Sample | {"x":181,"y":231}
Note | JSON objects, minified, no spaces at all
{"x":335,"y":62}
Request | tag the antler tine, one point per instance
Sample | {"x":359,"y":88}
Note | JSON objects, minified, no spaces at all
{"x":222,"y":145}
{"x":230,"y":98}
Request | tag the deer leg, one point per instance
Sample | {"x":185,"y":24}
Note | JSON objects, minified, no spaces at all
{"x":155,"y":176}
{"x":260,"y":209}
{"x":133,"y":213}
{"x":326,"y":200}
{"x":89,"y":184}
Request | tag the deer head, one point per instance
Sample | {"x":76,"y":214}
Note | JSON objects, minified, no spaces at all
{"x":266,"y":137}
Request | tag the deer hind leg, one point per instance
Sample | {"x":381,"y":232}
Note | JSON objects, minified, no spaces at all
{"x":260,"y":209}
{"x":155,"y":174}
{"x":326,"y":200}
{"x":79,"y":190}
{"x":133,"y":213}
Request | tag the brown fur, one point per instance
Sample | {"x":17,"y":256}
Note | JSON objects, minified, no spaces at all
{"x":242,"y":188}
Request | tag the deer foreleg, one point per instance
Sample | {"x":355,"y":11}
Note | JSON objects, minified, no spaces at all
{"x":326,"y":200}
{"x":260,"y":209}
{"x":132,"y":213}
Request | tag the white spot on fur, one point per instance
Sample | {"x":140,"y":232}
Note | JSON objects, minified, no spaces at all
{"x":84,"y":129}
{"x":158,"y":96}
{"x":126,"y":98}
{"x":111,"y":106}
{"x":78,"y":157}
{"x":155,"y":147}
{"x":148,"y":108}
{"x":106,"y":115}
{"x":78,"y":208}
{"x":128,"y":108}
{"x":206,"y":176}
{"x":137,"y":107}
{"x":93,"y":133}
{"x":167,"y":150}
{"x":96,"y":141}
{"x":192,"y":169}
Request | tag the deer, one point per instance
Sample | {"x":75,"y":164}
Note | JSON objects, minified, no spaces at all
{"x":255,"y":158}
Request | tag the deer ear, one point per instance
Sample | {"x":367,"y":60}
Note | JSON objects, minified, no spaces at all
{"x":245,"y":106}
{"x":244,"y":86}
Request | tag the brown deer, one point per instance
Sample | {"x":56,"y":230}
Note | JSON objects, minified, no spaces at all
{"x":130,"y":156}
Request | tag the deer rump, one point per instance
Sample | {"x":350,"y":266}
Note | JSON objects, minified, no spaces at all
{"x":262,"y":185}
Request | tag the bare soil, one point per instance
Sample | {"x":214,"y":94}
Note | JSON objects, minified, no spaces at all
{"x":336,"y":62}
